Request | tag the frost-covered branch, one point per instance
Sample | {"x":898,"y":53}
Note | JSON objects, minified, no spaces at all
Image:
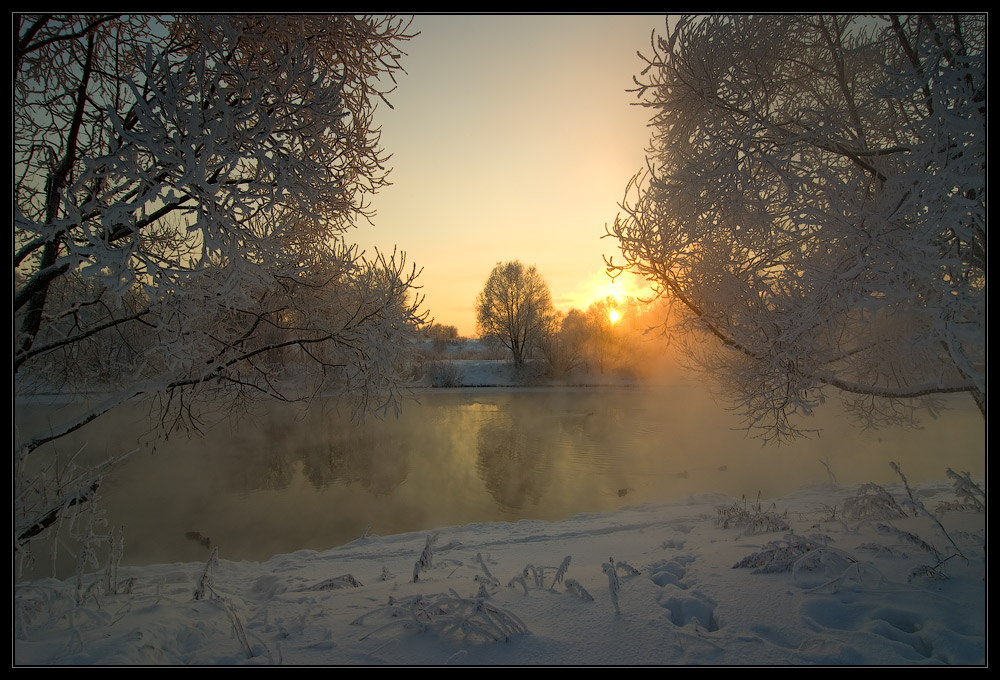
{"x":184,"y":187}
{"x":814,"y":199}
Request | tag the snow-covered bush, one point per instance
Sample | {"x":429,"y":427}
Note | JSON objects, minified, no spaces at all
{"x":444,"y":374}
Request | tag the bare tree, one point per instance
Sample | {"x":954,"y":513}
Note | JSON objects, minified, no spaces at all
{"x":514,"y":308}
{"x":815,"y":201}
{"x":183,"y":191}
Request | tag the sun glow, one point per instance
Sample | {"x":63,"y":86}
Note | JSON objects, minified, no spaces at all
{"x":600,"y":287}
{"x":613,"y":315}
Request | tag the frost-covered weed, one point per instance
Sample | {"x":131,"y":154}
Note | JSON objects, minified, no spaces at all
{"x":486,"y":570}
{"x":536,"y":575}
{"x":614,"y":586}
{"x":734,"y":515}
{"x":236,"y":618}
{"x":764,"y":523}
{"x":872,"y":502}
{"x":89,"y":540}
{"x":778,"y":555}
{"x":573,"y":586}
{"x":338,"y":583}
{"x":206,"y":575}
{"x":448,"y":615}
{"x":627,"y":568}
{"x":821,"y":564}
{"x":518,"y":579}
{"x":812,"y":561}
{"x":919,"y":507}
{"x":751,"y":517}
{"x":426,"y":557}
{"x":115,"y":552}
{"x":611,"y":569}
{"x":560,"y":572}
{"x":926,"y":574}
{"x":908,"y":537}
{"x":825,"y":462}
{"x":882,"y":550}
{"x":56,"y":499}
{"x":970,"y":496}
{"x":206,"y":591}
{"x":857,"y":575}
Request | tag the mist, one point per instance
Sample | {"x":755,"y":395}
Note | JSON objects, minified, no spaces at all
{"x":288,"y":478}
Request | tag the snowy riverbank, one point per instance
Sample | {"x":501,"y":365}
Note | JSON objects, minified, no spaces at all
{"x":843,"y":590}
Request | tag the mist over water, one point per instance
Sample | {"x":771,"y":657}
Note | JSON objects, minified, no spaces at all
{"x":285,"y":479}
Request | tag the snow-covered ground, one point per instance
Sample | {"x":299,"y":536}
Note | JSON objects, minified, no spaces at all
{"x":828,"y":575}
{"x":840,"y":591}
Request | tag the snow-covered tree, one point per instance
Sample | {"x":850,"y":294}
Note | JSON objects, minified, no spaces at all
{"x":815,"y":203}
{"x":514,"y":307}
{"x":183,"y":192}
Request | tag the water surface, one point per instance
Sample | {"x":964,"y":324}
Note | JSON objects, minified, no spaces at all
{"x":285,"y":479}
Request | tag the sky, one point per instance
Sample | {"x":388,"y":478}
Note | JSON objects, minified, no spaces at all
{"x":512,"y":138}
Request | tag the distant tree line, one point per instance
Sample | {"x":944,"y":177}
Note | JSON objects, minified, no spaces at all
{"x":515,"y":309}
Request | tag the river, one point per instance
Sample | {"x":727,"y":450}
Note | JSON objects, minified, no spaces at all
{"x":286,"y":479}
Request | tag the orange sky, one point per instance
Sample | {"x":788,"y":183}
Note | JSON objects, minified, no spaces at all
{"x":512,"y":137}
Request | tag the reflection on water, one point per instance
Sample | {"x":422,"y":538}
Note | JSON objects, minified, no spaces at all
{"x":285,"y":479}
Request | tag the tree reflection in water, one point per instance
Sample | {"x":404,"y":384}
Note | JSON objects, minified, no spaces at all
{"x":510,"y":460}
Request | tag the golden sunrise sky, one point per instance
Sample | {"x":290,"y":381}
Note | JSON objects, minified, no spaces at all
{"x":512,"y":137}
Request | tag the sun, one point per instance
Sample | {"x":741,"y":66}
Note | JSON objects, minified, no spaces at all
{"x":613,"y":315}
